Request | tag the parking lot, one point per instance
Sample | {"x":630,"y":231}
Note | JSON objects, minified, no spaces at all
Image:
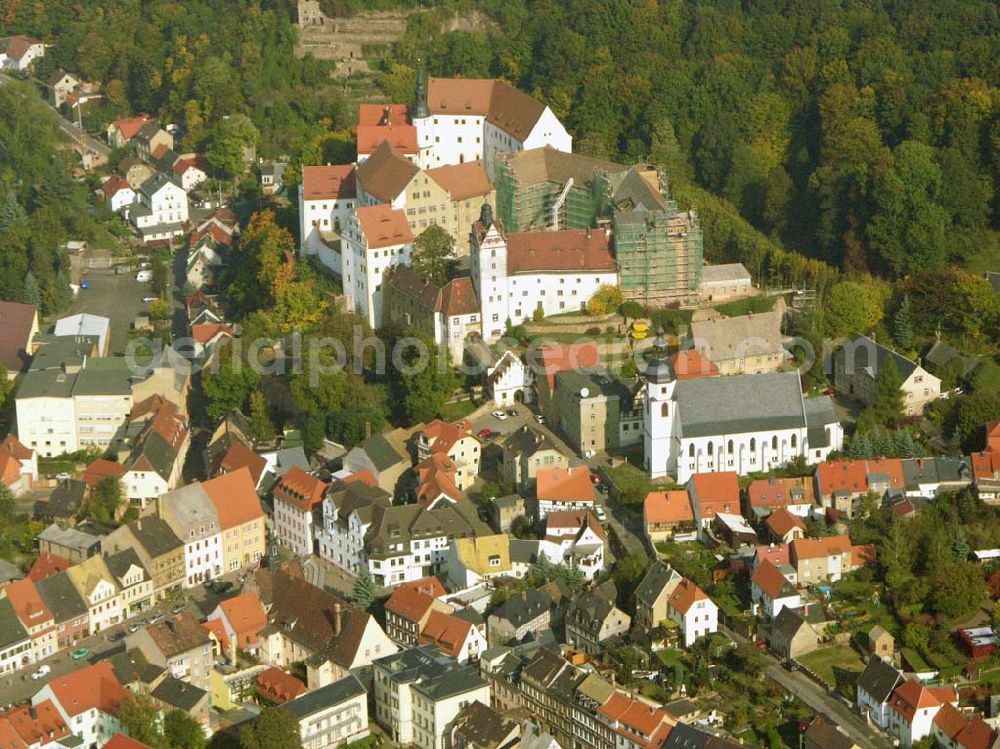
{"x":483,"y":418}
{"x":117,"y":297}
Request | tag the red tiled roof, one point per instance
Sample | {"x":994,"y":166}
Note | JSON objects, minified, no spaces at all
{"x":182,"y":165}
{"x":781,"y":522}
{"x":672,"y":506}
{"x":364,"y":477}
{"x":446,"y":632}
{"x":458,"y":297}
{"x":160,"y":151}
{"x":462,"y":181}
{"x":278,"y":686}
{"x":235,"y":498}
{"x":577,"y":520}
{"x":100,"y":469}
{"x":986,"y":465}
{"x":9,"y":737}
{"x":47,"y":565}
{"x":12,"y":452}
{"x":993,"y":436}
{"x":509,"y":109}
{"x":775,"y":492}
{"x":769,"y":579}
{"x":16,"y":321}
{"x":813,"y":548}
{"x":38,"y":725}
{"x":92,"y":687}
{"x":246,"y":616}
{"x":712,"y":493}
{"x":436,"y":476}
{"x":329,"y":182}
{"x":842,"y":476}
{"x":301,"y":489}
{"x":129,"y":126}
{"x":409,"y":603}
{"x":28,"y":605}
{"x":121,"y":741}
{"x":685,"y":595}
{"x":567,"y":251}
{"x":911,"y":696}
{"x":402,"y":137}
{"x":949,"y":720}
{"x":113,"y":184}
{"x":572,"y":356}
{"x":977,"y":734}
{"x":204,"y":332}
{"x":862,"y":554}
{"x":690,"y":365}
{"x":442,"y":435}
{"x":565,"y":484}
{"x":213,"y":230}
{"x":383,"y":114}
{"x":775,"y":553}
{"x":240,"y":456}
{"x":18,"y":46}
{"x":383,"y":226}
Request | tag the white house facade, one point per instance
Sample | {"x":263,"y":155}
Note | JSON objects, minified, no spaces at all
{"x":377,"y":237}
{"x":327,"y":197}
{"x":161,"y":209}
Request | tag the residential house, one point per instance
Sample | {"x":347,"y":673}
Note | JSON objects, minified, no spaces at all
{"x":203,"y":259}
{"x":956,"y":729}
{"x":598,"y":412}
{"x":456,"y":441}
{"x":668,"y":516}
{"x":194,"y":519}
{"x":242,"y":618}
{"x":856,"y":366}
{"x":88,"y":700}
{"x":32,"y":726}
{"x":583,"y":356}
{"x":155,"y":459}
{"x":592,"y":618}
{"x":118,"y":194}
{"x":508,"y":380}
{"x":986,"y":466}
{"x":327,"y":198}
{"x":134,"y":171}
{"x":85,"y":324}
{"x":653,"y":592}
{"x":296,"y":497}
{"x":18,"y":328}
{"x":34,"y":616}
{"x":632,"y":723}
{"x":474,"y":559}
{"x":694,"y":612}
{"x":152,"y":142}
{"x":120,"y":132}
{"x":276,"y":687}
{"x":881,"y":643}
{"x":712,"y":493}
{"x":385,"y":456}
{"x":479,"y":726}
{"x":733,"y":529}
{"x":349,"y":510}
{"x":272,"y":176}
{"x":791,"y":636}
{"x":772,"y":590}
{"x":72,"y":544}
{"x":18,"y":466}
{"x":180,"y":645}
{"x":306,"y":623}
{"x":764,"y":496}
{"x":747,"y":344}
{"x":842,"y":484}
{"x":574,"y":538}
{"x":376,"y":238}
{"x":526,"y":451}
{"x":135,"y":584}
{"x":437,"y":478}
{"x":558,"y":489}
{"x":45,"y":565}
{"x":378,"y":123}
{"x":161,"y":209}
{"x":241,"y":519}
{"x":409,"y":606}
{"x":913,"y":707}
{"x":504,"y":511}
{"x":822,"y":734}
{"x":927,"y":477}
{"x":784,"y":526}
{"x":174,"y":694}
{"x":823,"y":560}
{"x":332,"y":715}
{"x":875,"y":688}
{"x":723,"y":282}
{"x":19,"y":52}
{"x":454,"y":636}
{"x":16,"y":648}
{"x":527,"y":612}
{"x":420,"y":691}
{"x":96,"y":585}
{"x":69,"y":611}
{"x":190,"y":170}
{"x":158,"y":548}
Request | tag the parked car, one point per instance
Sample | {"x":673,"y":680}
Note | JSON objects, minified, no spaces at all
{"x":499,"y":415}
{"x":484,"y":434}
{"x":79,"y":655}
{"x":595,"y":479}
{"x":790,"y":665}
{"x":63,"y":477}
{"x":83,"y":285}
{"x":41,"y":673}
{"x":539,"y":418}
{"x":224,"y":587}
{"x":144,"y":276}
{"x":600,"y":514}
{"x":157,"y":619}
{"x":134,"y":627}
{"x":116,"y":636}
{"x":148,"y":299}
{"x":178,"y":608}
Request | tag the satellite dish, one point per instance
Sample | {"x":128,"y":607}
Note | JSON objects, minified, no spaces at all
{"x":584,"y":392}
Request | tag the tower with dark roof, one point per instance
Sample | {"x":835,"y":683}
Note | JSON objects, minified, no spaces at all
{"x":659,"y":424}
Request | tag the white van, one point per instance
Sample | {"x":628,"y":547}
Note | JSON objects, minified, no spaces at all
{"x":143,"y":276}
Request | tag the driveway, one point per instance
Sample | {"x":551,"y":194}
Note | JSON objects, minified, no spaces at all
{"x":117,"y":297}
{"x":483,"y":418}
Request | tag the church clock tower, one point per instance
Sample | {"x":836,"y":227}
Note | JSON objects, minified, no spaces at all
{"x":660,"y":415}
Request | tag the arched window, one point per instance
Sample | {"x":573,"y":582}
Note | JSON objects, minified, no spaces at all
{"x":710,"y":448}
{"x":730,"y":447}
{"x":664,"y":409}
{"x":691,"y":450}
{"x":795,"y":441}
{"x":753,"y":444}
{"x":774,"y":442}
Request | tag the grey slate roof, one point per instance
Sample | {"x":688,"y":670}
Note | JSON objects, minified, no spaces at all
{"x":11,"y":629}
{"x":120,"y":562}
{"x":724,"y":272}
{"x":858,"y":352}
{"x":131,"y":667}
{"x":452,"y":682}
{"x":932,"y":470}
{"x":524,"y":608}
{"x":819,"y":414}
{"x":66,"y":500}
{"x":70,"y":538}
{"x":788,"y":622}
{"x":178,"y":694}
{"x":155,"y":535}
{"x":941,"y":354}
{"x":61,"y":597}
{"x":879,"y":679}
{"x":740,"y":404}
{"x":381,"y":452}
{"x":654,"y":581}
{"x":523,"y":551}
{"x":721,"y":338}
{"x":9,"y":571}
{"x":157,"y":451}
{"x":319,"y":699}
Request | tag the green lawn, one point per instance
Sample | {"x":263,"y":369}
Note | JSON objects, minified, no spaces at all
{"x":822,"y":662}
{"x":670,"y":658}
{"x":458,"y":410}
{"x":755,"y":304}
{"x":48,"y":466}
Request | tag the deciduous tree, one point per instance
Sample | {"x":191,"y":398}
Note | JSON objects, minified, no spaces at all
{"x":434,"y":254}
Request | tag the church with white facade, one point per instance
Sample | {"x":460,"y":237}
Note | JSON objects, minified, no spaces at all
{"x":742,"y":423}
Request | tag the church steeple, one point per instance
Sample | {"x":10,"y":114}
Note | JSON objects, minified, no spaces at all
{"x":420,"y":98}
{"x":658,"y":369}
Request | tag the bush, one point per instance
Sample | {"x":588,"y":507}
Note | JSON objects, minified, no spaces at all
{"x":538,"y":315}
{"x":593,"y":330}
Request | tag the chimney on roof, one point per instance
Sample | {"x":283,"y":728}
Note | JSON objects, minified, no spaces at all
{"x":337,"y":613}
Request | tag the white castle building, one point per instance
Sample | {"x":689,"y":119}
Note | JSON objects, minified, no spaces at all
{"x":742,"y":423}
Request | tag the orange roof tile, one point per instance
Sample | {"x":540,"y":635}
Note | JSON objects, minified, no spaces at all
{"x":565,"y":484}
{"x":47,"y":565}
{"x":409,"y":603}
{"x":278,"y":686}
{"x":442,"y":435}
{"x":993,"y":436}
{"x":9,"y":737}
{"x":446,"y":632}
{"x":329,"y":182}
{"x":240,"y":456}
{"x":949,"y":720}
{"x":27,"y":603}
{"x":568,"y":251}
{"x":615,"y":706}
{"x":462,"y":181}
{"x":383,"y":226}
{"x":383,"y":114}
{"x":458,"y":297}
{"x":813,"y":548}
{"x":301,"y":489}
{"x":245,"y":615}
{"x":204,"y":332}
{"x":775,"y":553}
{"x":364,"y":477}
{"x":685,"y":595}
{"x":775,"y":492}
{"x":92,"y":687}
{"x":986,"y":465}
{"x":573,"y":356}
{"x":401,"y":137}
{"x":862,"y":554}
{"x":977,"y":734}
{"x":781,"y":522}
{"x":100,"y":469}
{"x":39,"y":724}
{"x":436,"y":477}
{"x":121,"y":741}
{"x":690,"y":364}
{"x":235,"y":498}
{"x":643,"y":719}
{"x":842,"y":476}
{"x":769,"y":579}
{"x":712,"y":493}
{"x":672,"y":506}
{"x":129,"y":126}
{"x":114,"y":184}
